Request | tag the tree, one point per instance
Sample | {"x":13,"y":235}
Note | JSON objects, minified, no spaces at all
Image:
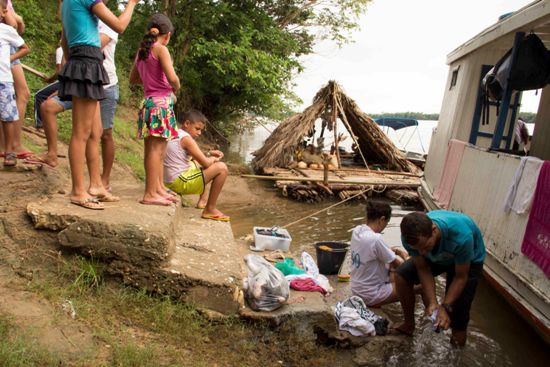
{"x":239,"y":57}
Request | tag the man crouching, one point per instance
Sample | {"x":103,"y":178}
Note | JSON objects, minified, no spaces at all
{"x":440,"y":242}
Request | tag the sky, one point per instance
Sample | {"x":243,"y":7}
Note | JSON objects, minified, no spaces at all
{"x":398,"y":60}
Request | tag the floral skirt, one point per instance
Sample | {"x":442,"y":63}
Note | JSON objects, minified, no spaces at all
{"x":157,"y":118}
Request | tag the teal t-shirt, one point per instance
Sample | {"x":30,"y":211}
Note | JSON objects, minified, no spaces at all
{"x":79,"y":23}
{"x":461,"y":240}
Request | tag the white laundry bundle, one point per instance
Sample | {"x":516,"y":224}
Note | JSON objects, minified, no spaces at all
{"x":312,"y":270}
{"x":265,"y":287}
{"x":353,"y":316}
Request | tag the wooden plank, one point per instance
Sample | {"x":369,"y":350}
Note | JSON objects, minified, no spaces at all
{"x":367,"y":181}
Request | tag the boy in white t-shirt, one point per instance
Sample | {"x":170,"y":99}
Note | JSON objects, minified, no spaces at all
{"x":8,"y":106}
{"x":372,"y":258}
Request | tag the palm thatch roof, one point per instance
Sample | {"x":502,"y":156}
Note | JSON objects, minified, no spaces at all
{"x":329,"y":104}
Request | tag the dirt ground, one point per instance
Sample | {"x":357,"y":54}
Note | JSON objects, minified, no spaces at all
{"x":27,"y":254}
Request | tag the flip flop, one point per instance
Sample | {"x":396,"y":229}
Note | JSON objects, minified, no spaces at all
{"x":89,"y":203}
{"x":107,"y":198}
{"x":10,"y":159}
{"x":160,"y":202}
{"x":172,"y":199}
{"x":222,"y":218}
{"x":24,"y":154}
{"x":37,"y":160}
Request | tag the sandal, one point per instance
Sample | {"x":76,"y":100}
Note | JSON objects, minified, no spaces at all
{"x":89,"y":203}
{"x":10,"y":159}
{"x":107,"y":198}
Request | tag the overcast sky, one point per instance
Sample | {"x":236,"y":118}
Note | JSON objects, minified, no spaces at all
{"x":398,"y":60}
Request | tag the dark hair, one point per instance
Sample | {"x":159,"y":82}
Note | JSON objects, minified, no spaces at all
{"x":378,"y":209}
{"x":414,"y":225}
{"x":158,"y":24}
{"x":194,"y":116}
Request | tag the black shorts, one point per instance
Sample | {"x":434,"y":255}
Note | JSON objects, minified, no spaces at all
{"x":461,"y":308}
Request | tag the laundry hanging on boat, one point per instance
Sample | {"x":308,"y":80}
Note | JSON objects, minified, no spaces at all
{"x":453,"y":159}
{"x":522,"y":190}
{"x":536,"y":242}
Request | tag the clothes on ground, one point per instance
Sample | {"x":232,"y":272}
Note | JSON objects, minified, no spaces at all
{"x":8,"y":105}
{"x":460,"y":316}
{"x":311,"y":268}
{"x":287,"y":267}
{"x":307,"y":285}
{"x":522,"y":190}
{"x":453,"y":159}
{"x":349,"y":320}
{"x":83,"y":75}
{"x":536,"y":242}
{"x":79,"y":23}
{"x":156,"y":118}
{"x":379,"y":323}
{"x":155,"y":83}
{"x":109,"y":52}
{"x":8,"y":38}
{"x":370,"y":259}
{"x":461,"y":240}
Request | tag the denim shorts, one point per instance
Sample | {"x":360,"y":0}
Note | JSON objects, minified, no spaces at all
{"x":8,"y":107}
{"x":16,"y":61}
{"x":108,"y":106}
{"x":67,"y":105}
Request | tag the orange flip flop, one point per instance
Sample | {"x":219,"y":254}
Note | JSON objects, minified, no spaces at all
{"x":223,"y":218}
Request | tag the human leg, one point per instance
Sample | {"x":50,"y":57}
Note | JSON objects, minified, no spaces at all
{"x":96,"y":187}
{"x":84,"y":110}
{"x":8,"y":115}
{"x":49,"y":111}
{"x":22,"y":95}
{"x":39,"y":98}
{"x":152,"y":157}
{"x":8,"y":129}
{"x":215,"y":175}
{"x":108,"y":108}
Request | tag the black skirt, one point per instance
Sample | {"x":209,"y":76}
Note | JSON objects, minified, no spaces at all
{"x":83,"y":75}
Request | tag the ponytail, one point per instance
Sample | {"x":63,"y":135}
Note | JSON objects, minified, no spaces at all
{"x":148,"y":41}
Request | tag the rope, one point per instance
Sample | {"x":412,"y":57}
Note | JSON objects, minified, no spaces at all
{"x":327,"y":208}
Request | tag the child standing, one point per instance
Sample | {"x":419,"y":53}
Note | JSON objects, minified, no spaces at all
{"x":8,"y":106}
{"x":182,"y":174}
{"x":81,"y":80}
{"x":157,"y":122}
{"x":371,"y":258}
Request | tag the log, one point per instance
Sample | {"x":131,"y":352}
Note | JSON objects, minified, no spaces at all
{"x":34,"y":71}
{"x":367,"y":181}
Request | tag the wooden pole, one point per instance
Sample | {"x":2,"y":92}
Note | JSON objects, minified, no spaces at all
{"x":332,"y":180}
{"x":34,"y":71}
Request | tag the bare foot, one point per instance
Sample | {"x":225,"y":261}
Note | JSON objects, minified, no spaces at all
{"x":405,"y":329}
{"x":214,"y":212}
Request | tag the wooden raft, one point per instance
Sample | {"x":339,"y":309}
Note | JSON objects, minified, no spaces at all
{"x":311,"y":185}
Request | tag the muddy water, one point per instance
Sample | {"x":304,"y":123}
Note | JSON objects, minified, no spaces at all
{"x":497,"y":335}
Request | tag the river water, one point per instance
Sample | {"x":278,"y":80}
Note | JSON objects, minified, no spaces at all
{"x":497,"y":336}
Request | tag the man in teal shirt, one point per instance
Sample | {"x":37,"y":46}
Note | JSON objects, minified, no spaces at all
{"x":440,"y":242}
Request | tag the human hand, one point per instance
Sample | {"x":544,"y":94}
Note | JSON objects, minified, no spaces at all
{"x":443,"y":319}
{"x":400,"y":252}
{"x":216,"y":153}
{"x":431,"y":308}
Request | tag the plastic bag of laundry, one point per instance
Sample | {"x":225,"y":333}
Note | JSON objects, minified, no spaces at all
{"x":265,"y":287}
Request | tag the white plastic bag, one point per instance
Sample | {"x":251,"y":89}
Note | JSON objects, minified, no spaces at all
{"x":312,"y":269}
{"x":265,"y":288}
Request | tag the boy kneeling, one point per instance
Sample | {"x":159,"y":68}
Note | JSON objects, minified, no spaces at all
{"x":185,"y":177}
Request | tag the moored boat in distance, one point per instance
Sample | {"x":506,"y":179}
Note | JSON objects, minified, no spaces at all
{"x":471,"y":163}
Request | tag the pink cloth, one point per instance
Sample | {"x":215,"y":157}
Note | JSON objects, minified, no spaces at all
{"x":155,"y":83}
{"x":453,"y":159}
{"x":306,"y":284}
{"x":536,"y":242}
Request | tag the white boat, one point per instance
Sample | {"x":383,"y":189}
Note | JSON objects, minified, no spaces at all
{"x":485,"y":171}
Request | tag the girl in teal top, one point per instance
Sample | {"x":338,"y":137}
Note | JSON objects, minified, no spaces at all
{"x":81,"y":80}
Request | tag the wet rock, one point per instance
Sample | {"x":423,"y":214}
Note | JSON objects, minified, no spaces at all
{"x":378,"y":350}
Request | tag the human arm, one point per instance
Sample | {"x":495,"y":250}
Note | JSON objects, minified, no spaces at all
{"x":9,"y":17}
{"x":216,"y":153}
{"x":401,"y":252}
{"x":163,"y":56}
{"x":455,"y":290}
{"x":118,"y":24}
{"x":427,"y":281}
{"x":192,"y":148}
{"x":21,"y":51}
{"x":105,"y":39}
{"x":64,"y":44}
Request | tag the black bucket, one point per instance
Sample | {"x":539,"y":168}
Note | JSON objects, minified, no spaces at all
{"x":329,"y":261}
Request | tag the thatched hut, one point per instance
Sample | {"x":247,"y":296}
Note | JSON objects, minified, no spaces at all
{"x":329,"y":105}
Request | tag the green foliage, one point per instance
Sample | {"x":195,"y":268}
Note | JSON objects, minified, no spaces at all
{"x":89,"y":273}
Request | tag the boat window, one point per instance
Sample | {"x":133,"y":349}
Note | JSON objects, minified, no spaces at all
{"x":454,"y":77}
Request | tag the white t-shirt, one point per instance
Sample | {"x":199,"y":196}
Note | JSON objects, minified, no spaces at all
{"x":8,"y":38}
{"x":109,"y":52}
{"x":176,"y":159}
{"x":59,"y":56}
{"x":370,"y":257}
